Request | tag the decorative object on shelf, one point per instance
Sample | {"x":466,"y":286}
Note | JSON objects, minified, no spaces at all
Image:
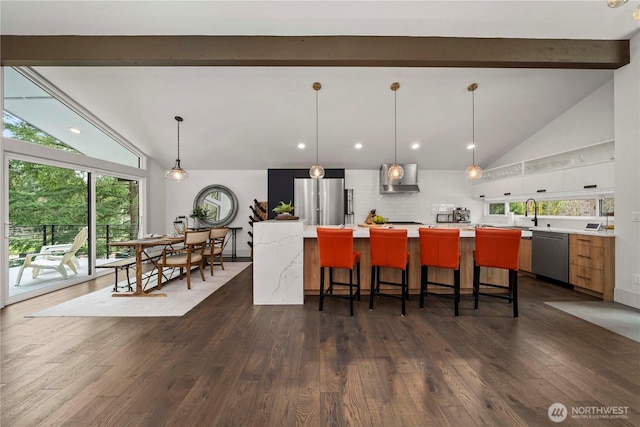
{"x":177,"y":173}
{"x":317,"y":171}
{"x":395,"y":171}
{"x":474,"y":171}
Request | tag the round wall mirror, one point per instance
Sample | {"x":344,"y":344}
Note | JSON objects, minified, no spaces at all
{"x":221,"y":204}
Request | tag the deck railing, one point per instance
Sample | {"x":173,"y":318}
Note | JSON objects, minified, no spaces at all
{"x":26,"y":239}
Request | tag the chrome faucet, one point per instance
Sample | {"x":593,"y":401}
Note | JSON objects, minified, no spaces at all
{"x":535,"y":211}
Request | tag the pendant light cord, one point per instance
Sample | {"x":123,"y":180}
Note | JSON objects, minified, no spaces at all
{"x":178,"y":140}
{"x":473,"y":126}
{"x":395,"y":127}
{"x":317,"y":142}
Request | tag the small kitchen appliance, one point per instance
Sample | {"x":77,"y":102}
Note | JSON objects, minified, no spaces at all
{"x":461,"y":215}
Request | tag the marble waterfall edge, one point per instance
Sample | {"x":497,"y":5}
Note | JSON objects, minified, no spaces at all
{"x":278,"y":276}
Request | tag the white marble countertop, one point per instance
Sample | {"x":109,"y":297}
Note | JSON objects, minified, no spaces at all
{"x":412,"y":230}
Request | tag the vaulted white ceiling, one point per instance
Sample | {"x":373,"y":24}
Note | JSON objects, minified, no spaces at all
{"x":254,"y":117}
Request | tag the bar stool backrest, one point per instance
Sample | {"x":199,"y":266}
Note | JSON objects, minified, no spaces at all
{"x":440,"y":247}
{"x":499,"y":248}
{"x":388,"y":247}
{"x":335,"y":247}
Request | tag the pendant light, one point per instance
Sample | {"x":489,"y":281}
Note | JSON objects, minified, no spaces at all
{"x":177,"y":173}
{"x":618,"y":3}
{"x":395,"y":171}
{"x":316,"y":171}
{"x":474,"y":171}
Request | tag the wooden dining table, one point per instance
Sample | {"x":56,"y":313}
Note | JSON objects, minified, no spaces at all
{"x":140,"y":246}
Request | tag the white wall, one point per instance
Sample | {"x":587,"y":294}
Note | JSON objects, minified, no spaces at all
{"x":589,"y":122}
{"x":246,"y":184}
{"x":156,"y":196}
{"x":436,"y":187}
{"x":627,"y":131}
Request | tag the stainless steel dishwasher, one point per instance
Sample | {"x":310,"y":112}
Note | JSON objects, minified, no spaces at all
{"x":550,"y":255}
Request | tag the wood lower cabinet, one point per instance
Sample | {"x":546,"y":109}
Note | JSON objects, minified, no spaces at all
{"x":524,"y":262}
{"x":592,"y":264}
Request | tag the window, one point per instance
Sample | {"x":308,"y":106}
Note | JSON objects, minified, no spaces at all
{"x":497,"y":208}
{"x":33,"y":114}
{"x":566,"y":208}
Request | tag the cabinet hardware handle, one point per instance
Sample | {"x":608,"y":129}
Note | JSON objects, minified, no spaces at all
{"x":590,"y":186}
{"x":584,"y":240}
{"x":507,"y":194}
{"x":541,"y":191}
{"x":482,"y":195}
{"x":583,"y":277}
{"x":584,"y":256}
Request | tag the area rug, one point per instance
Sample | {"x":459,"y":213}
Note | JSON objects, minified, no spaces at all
{"x":613,"y":316}
{"x":178,"y":302}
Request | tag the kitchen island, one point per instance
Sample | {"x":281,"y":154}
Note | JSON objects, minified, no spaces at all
{"x":286,"y":262}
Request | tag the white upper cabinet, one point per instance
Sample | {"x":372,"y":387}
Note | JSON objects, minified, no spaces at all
{"x":587,"y":168}
{"x":599,"y":176}
{"x":549,"y":182}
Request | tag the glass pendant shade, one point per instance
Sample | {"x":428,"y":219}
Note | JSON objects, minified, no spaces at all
{"x":473,"y":172}
{"x":395,"y":172}
{"x":616,"y":3}
{"x":636,"y":14}
{"x":176,"y":173}
{"x":316,"y":172}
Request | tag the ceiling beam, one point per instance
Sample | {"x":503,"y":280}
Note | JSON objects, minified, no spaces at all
{"x":313,"y":51}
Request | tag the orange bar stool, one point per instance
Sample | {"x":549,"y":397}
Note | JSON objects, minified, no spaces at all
{"x":389,"y":250}
{"x":497,"y":248}
{"x":440,"y":247}
{"x":336,"y":251}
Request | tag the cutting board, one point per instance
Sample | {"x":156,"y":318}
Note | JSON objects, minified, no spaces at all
{"x":371,"y":225}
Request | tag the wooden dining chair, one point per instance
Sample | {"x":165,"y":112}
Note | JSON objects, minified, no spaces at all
{"x":189,"y":256}
{"x":215,"y":246}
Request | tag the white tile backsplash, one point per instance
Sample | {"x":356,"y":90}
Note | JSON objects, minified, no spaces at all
{"x":437,"y":187}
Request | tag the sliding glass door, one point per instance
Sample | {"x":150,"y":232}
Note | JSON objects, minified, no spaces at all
{"x":48,"y":227}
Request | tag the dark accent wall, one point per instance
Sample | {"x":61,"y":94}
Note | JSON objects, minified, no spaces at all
{"x":280,"y":184}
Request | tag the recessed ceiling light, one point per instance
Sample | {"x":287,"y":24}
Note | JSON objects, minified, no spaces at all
{"x":415,"y":146}
{"x":471,"y":146}
{"x":75,"y":130}
{"x":358,"y":146}
{"x":301,"y":146}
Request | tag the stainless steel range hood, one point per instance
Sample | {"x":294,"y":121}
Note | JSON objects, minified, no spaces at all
{"x":408,"y":183}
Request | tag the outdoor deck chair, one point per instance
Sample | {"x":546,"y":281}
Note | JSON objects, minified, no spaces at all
{"x":55,"y":257}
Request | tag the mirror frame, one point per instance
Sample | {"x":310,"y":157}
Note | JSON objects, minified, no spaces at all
{"x":202,"y":195}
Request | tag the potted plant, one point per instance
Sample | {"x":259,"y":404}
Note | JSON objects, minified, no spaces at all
{"x":284,"y":209}
{"x":198,"y":214}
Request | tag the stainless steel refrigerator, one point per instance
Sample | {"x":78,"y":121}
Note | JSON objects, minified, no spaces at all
{"x":319,"y":201}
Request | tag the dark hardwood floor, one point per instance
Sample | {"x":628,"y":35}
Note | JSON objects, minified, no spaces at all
{"x":229,"y":363}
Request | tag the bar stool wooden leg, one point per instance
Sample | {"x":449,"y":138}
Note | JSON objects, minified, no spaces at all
{"x":476,"y":285}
